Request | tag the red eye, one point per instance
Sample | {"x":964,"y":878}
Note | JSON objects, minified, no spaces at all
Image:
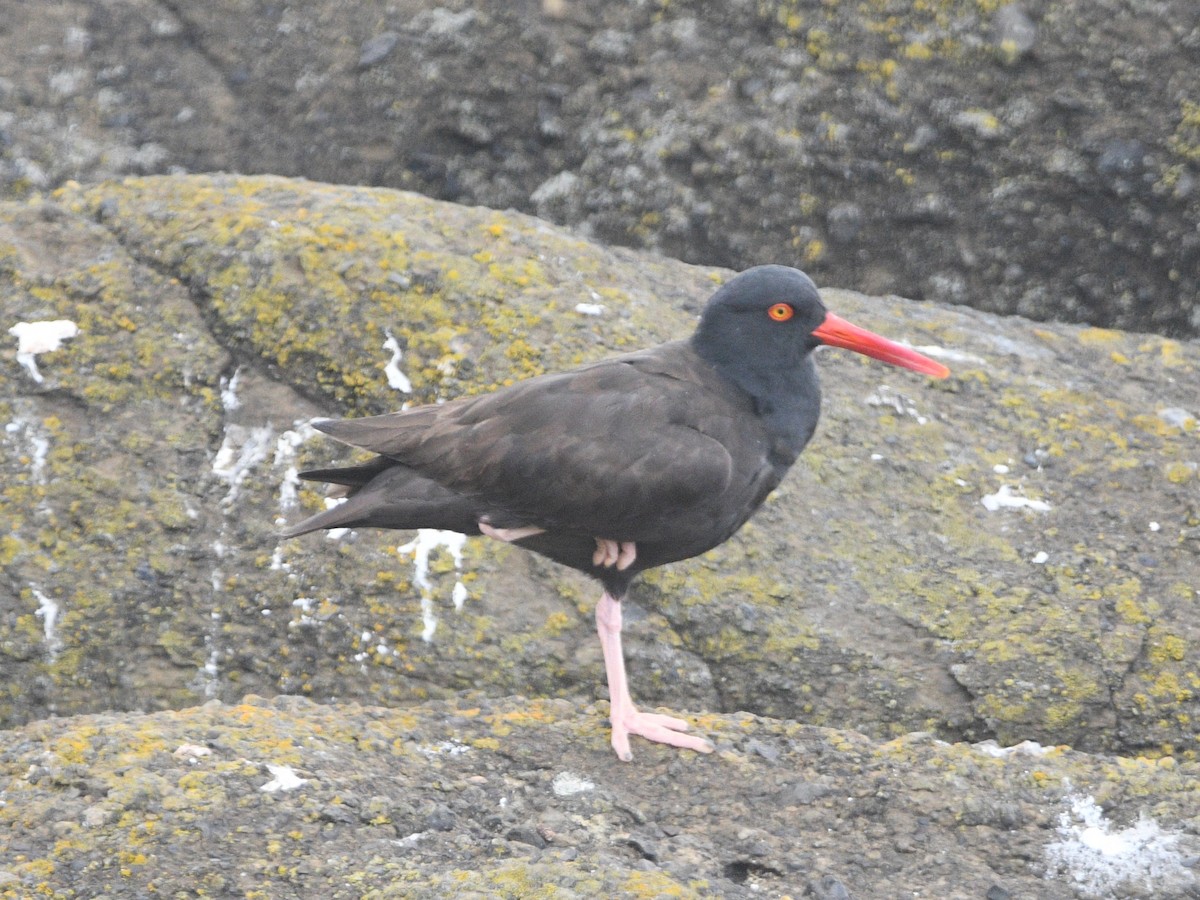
{"x":781,"y":312}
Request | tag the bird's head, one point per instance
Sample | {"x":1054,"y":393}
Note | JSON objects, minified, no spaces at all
{"x":772,"y":317}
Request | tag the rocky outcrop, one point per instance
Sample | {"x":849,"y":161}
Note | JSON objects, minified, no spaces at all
{"x":481,"y":798}
{"x":1038,"y":158}
{"x":1011,"y":554}
{"x":955,"y":655}
{"x":1008,"y":555}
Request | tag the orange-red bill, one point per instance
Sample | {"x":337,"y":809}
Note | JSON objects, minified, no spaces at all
{"x":837,"y":332}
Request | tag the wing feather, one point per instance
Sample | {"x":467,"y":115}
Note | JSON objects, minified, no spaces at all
{"x":618,"y":449}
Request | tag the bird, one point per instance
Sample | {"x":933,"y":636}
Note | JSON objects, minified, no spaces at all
{"x":617,"y":466}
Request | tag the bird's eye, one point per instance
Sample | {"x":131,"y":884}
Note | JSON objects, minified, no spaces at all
{"x":781,"y":312}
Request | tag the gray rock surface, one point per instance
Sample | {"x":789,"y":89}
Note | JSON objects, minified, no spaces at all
{"x":1038,"y":158}
{"x":482,"y":798}
{"x":1010,"y":554}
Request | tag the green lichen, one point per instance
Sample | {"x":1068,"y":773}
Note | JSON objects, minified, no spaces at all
{"x":1185,"y":142}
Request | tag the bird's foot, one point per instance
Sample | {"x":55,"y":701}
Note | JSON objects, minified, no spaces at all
{"x":625,"y":717}
{"x":508,"y":535}
{"x":611,"y":553}
{"x":653,"y":727}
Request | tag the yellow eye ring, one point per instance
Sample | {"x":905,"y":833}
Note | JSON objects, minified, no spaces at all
{"x":781,"y":312}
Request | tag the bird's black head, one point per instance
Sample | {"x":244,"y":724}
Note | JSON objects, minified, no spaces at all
{"x":763,"y":318}
{"x":759,"y":328}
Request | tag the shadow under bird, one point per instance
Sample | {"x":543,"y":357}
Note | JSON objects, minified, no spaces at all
{"x":618,"y":466}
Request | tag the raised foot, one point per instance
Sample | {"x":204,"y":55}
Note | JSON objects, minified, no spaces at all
{"x":508,"y":535}
{"x":653,"y":727}
{"x":611,"y":553}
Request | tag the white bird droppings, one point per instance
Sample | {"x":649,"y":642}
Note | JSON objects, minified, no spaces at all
{"x":48,"y":611}
{"x":1025,"y":748}
{"x":886,"y":396}
{"x":1103,"y":860}
{"x":567,"y":783}
{"x":285,"y":453}
{"x":241,"y":450}
{"x":1006,"y":499}
{"x":1177,"y":417}
{"x":229,"y":398}
{"x":40,"y":337}
{"x":427,"y":541}
{"x":444,"y":748}
{"x":37,"y":445}
{"x":284,"y":779}
{"x":396,"y":379}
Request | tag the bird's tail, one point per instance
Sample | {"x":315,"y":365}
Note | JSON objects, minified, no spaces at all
{"x":382,"y":493}
{"x":334,"y":517}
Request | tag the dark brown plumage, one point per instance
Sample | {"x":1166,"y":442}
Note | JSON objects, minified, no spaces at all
{"x":654,"y":447}
{"x":618,"y":466}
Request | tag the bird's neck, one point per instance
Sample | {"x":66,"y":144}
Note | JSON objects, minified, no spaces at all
{"x":786,"y":398}
{"x":790,"y":407}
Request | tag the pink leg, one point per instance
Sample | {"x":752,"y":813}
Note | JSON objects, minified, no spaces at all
{"x":626,"y":719}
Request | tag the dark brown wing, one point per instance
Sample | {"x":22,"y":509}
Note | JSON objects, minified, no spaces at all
{"x":619,"y":449}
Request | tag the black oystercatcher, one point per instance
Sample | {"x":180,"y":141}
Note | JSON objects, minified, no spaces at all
{"x":621,"y":465}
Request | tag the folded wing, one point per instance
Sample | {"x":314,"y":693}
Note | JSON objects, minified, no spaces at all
{"x":619,"y":449}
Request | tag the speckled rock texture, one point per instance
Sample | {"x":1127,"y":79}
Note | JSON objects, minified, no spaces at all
{"x":1008,"y":554}
{"x":509,"y":798}
{"x":1038,"y":157}
{"x":143,"y":478}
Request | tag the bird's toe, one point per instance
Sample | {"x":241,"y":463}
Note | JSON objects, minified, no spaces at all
{"x":654,"y":727}
{"x":611,"y":553}
{"x":606,"y":552}
{"x":626,"y":555}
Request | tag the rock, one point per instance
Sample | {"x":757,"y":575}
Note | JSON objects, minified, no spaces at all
{"x":725,"y":134}
{"x":440,"y":22}
{"x":845,"y":222}
{"x":1121,"y":156}
{"x":1015,"y":33}
{"x":721,"y":825}
{"x":611,"y":45}
{"x":555,"y":191}
{"x":526,"y":834}
{"x":144,"y":479}
{"x":827,"y":887}
{"x":376,"y":49}
{"x":978,"y":123}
